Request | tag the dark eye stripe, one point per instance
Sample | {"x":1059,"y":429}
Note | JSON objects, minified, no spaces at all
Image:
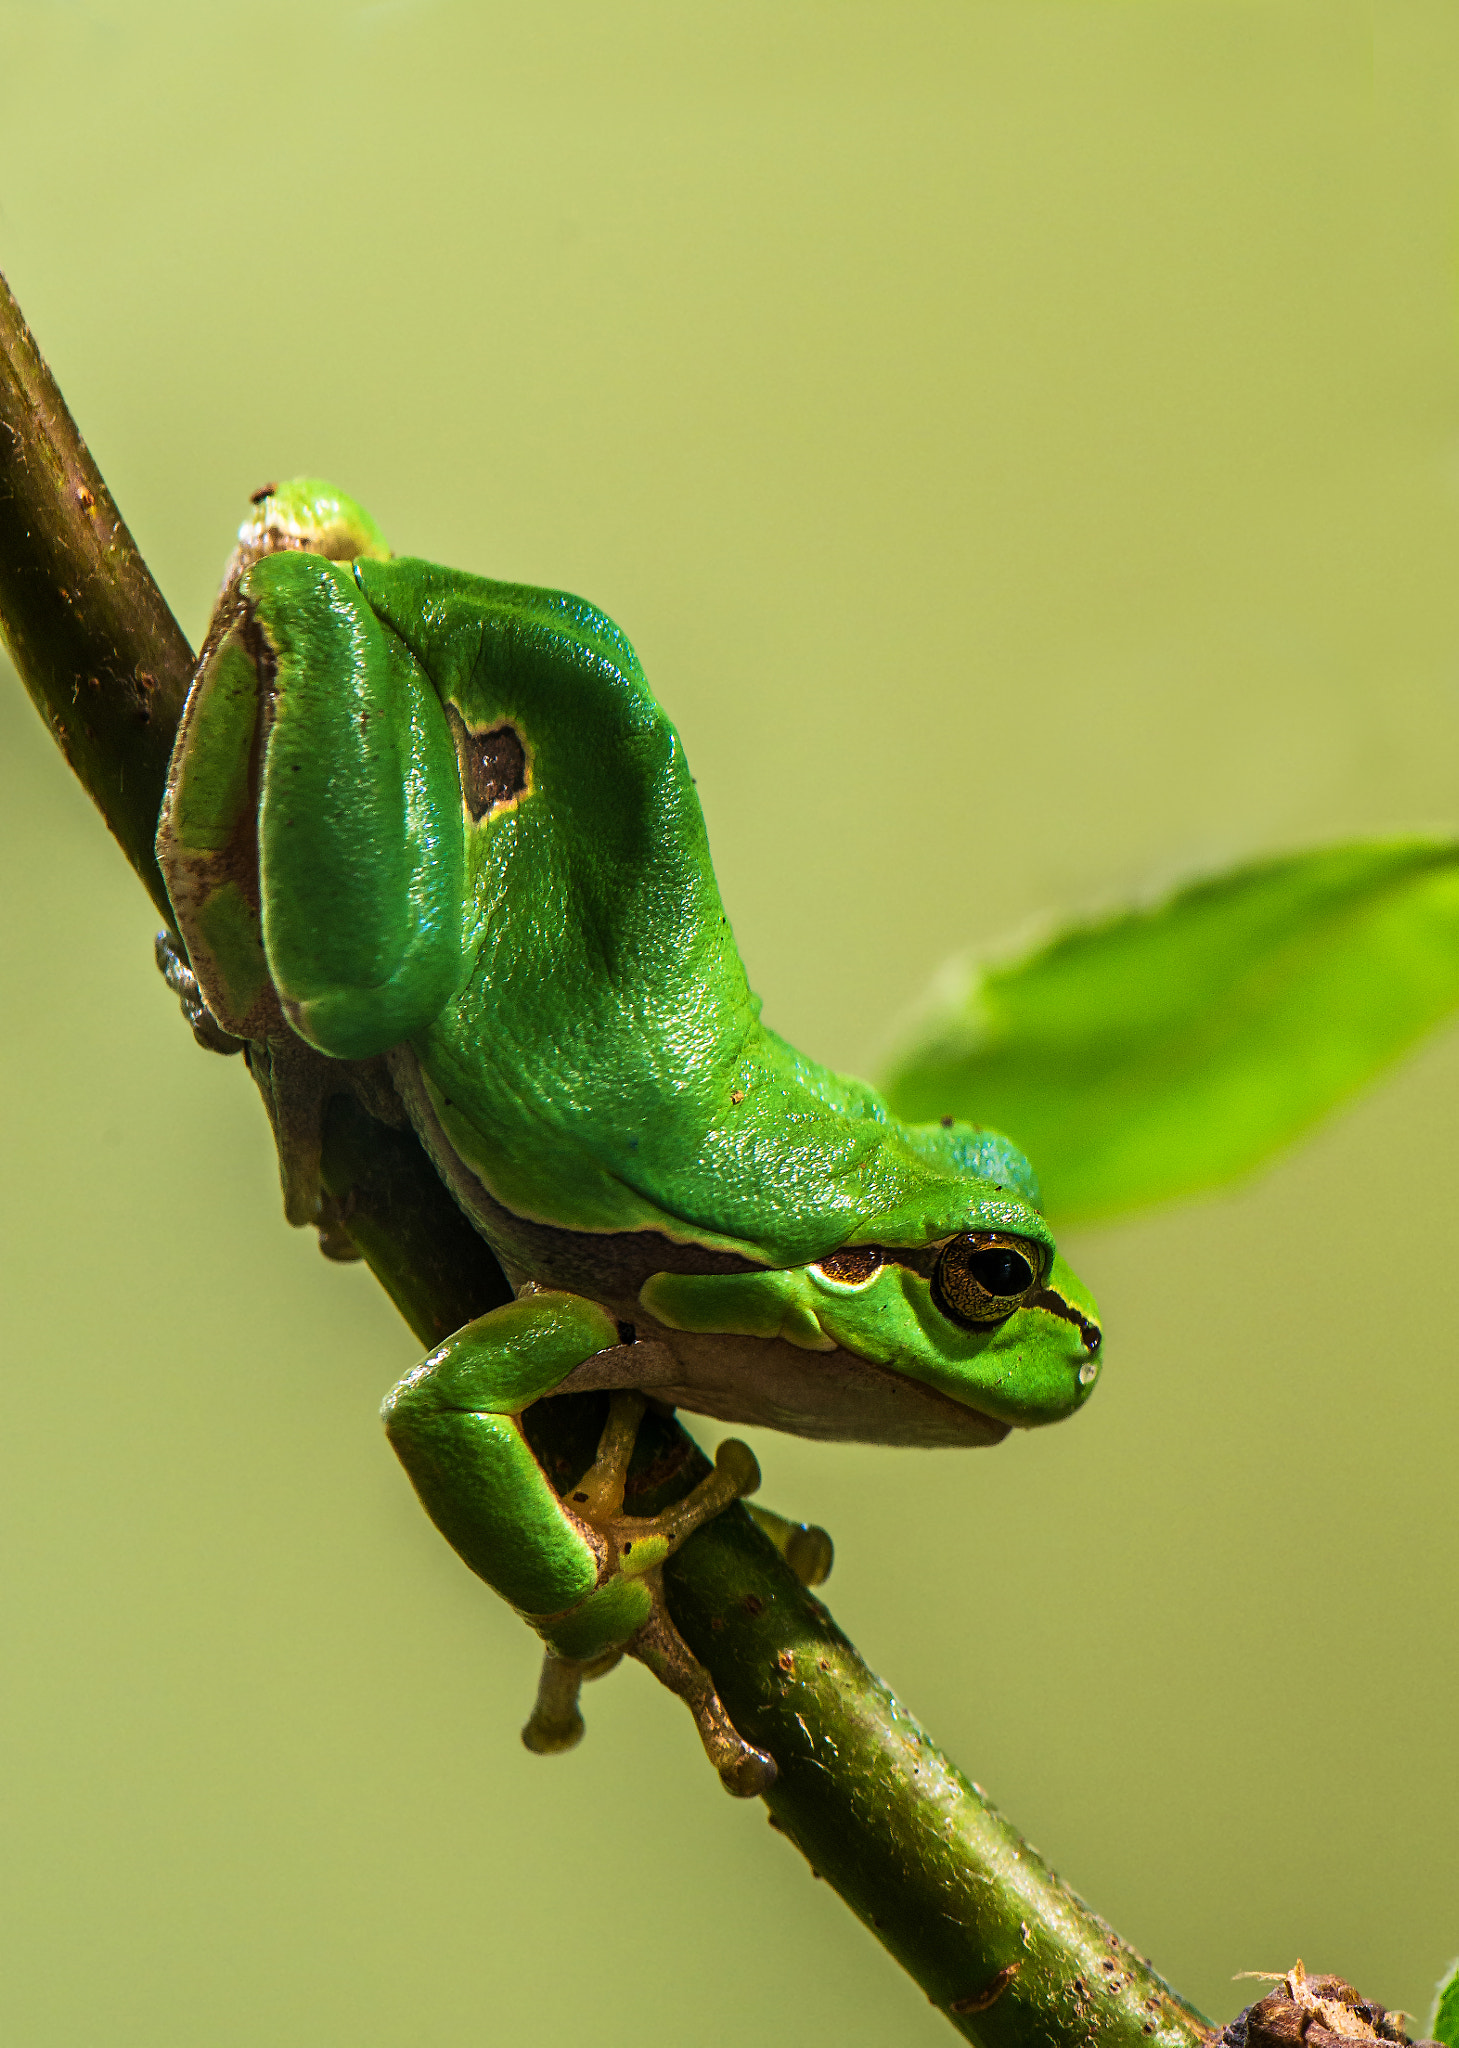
{"x":922,"y":1258}
{"x":853,"y":1264}
{"x":1054,"y":1304}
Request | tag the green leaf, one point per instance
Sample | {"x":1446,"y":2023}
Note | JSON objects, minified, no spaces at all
{"x":1444,"y":2026}
{"x":1173,"y":1047}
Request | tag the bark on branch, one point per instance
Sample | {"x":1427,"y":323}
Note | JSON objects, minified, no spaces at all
{"x":102,"y":656}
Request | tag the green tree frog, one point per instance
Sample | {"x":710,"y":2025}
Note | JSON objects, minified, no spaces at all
{"x":433,"y":834}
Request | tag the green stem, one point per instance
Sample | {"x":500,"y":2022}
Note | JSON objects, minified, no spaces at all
{"x":998,"y":1944}
{"x":969,"y":1910}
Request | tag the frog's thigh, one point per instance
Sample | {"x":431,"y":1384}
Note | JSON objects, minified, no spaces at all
{"x":454,"y":1424}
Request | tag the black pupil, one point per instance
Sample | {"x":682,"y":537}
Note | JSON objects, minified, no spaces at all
{"x":1001,"y":1271}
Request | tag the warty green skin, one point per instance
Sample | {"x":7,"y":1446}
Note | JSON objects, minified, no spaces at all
{"x":421,"y":818}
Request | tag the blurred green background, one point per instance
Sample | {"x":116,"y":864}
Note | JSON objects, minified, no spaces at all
{"x":1023,"y":443}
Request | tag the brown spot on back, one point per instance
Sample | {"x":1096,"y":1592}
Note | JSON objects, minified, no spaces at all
{"x":493,"y":764}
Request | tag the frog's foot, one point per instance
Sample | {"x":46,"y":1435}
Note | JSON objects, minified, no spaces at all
{"x":639,"y":1545}
{"x":806,"y":1547}
{"x":173,"y":966}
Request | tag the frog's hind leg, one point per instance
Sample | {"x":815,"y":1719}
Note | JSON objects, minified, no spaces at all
{"x":586,"y":1576}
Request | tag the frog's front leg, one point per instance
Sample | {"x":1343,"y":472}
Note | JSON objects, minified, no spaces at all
{"x":585,"y":1575}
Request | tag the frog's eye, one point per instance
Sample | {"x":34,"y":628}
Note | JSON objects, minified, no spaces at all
{"x":984,"y":1277}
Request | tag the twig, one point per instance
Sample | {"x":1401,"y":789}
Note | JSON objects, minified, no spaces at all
{"x":1012,"y":1957}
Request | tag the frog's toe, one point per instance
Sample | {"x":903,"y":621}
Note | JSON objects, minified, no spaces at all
{"x":334,"y":1238}
{"x":172,"y":964}
{"x":645,"y":1541}
{"x":749,"y":1776}
{"x":806,"y":1547}
{"x":553,"y":1727}
{"x":556,"y":1722}
{"x":744,"y":1771}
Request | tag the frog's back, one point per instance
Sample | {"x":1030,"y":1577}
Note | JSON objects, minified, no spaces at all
{"x":602,"y":1065}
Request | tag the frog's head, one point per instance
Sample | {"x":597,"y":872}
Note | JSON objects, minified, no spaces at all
{"x":305,"y":515}
{"x":958,"y":1286}
{"x":962,"y":1287}
{"x":990,"y":1315}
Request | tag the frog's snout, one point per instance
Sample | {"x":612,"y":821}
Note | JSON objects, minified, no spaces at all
{"x":1056,"y":1304}
{"x":1090,"y":1335}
